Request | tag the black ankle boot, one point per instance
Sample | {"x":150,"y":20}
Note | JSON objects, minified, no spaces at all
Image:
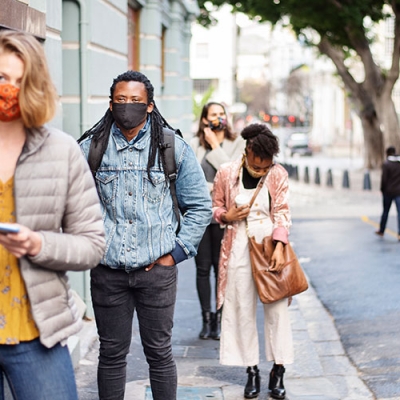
{"x":276,"y":382}
{"x":252,"y":388}
{"x":207,"y":322}
{"x":216,"y":326}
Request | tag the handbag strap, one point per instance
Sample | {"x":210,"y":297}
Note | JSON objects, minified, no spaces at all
{"x":259,"y":186}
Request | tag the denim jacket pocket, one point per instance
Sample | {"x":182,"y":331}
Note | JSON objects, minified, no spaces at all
{"x":107,"y":185}
{"x":154,"y":190}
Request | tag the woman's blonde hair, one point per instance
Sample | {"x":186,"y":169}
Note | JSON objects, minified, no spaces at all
{"x":37,"y":97}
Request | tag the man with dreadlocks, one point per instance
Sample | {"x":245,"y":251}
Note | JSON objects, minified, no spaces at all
{"x":138,"y":270}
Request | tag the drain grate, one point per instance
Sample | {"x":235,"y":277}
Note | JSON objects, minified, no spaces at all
{"x":193,"y":393}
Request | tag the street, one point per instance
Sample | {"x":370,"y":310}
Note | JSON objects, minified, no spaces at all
{"x":356,"y":276}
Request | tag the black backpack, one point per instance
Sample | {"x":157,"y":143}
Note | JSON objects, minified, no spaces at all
{"x":96,"y":155}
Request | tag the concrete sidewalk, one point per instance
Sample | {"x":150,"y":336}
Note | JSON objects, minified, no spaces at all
{"x":322,"y":370}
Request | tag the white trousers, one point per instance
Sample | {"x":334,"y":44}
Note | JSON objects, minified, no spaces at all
{"x":239,"y":336}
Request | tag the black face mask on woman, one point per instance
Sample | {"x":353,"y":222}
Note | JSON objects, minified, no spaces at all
{"x":129,"y":115}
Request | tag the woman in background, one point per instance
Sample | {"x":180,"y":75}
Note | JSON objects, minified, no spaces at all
{"x":48,"y":195}
{"x":214,"y":144}
{"x":269,"y":215}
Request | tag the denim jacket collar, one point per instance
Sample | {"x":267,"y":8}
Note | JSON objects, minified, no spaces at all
{"x":120,"y":140}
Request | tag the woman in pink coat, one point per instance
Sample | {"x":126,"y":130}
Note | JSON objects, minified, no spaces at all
{"x":235,"y":184}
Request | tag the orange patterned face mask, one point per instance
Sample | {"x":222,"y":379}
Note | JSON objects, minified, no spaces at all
{"x":9,"y":104}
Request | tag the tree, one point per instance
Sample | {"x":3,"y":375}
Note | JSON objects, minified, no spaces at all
{"x":341,"y":30}
{"x":255,"y":95}
{"x":199,"y":100}
{"x":298,"y":91}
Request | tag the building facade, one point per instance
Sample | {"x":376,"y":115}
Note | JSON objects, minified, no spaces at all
{"x":90,"y":42}
{"x":296,"y":81}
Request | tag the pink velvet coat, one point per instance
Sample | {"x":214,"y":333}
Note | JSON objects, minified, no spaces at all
{"x":226,"y":188}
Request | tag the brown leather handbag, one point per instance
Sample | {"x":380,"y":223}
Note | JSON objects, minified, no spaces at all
{"x":272,"y":286}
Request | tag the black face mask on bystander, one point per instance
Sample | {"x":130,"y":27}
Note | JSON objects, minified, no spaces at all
{"x":129,"y":115}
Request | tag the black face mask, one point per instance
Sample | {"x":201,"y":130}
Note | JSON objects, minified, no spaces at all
{"x":129,"y":115}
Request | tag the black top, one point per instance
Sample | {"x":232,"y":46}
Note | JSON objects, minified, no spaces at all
{"x":390,"y":183}
{"x":248,"y":181}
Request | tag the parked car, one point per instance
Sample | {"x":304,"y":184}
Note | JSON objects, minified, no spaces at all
{"x":299,"y":143}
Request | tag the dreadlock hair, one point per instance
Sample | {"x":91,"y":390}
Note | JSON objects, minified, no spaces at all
{"x":261,"y":141}
{"x":228,"y":133}
{"x":100,"y":132}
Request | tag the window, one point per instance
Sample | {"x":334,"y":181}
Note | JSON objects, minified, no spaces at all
{"x":389,"y":26}
{"x":201,"y":85}
{"x":389,"y":43}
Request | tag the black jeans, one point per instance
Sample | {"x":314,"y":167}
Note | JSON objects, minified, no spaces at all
{"x":207,"y":257}
{"x":116,"y":294}
{"x":387,"y":202}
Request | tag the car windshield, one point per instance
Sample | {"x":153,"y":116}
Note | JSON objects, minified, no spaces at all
{"x":299,"y":137}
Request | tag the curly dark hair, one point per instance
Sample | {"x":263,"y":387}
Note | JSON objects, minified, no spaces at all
{"x":229,"y":134}
{"x":261,"y":141}
{"x":390,"y":151}
{"x":102,"y":127}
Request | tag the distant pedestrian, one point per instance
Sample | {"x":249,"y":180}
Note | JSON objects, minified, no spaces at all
{"x":214,"y":144}
{"x":47,"y":193}
{"x":390,"y":188}
{"x":138,"y":271}
{"x":269,"y":215}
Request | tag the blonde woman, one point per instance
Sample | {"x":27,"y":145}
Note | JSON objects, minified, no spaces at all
{"x":48,"y":198}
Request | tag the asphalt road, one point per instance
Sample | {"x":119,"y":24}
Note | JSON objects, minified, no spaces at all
{"x":356,"y":275}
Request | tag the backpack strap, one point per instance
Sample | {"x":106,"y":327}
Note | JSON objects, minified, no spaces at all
{"x":95,"y":156}
{"x":97,"y":149}
{"x":169,"y":153}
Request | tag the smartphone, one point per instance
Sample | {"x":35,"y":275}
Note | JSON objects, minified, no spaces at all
{"x":8,"y":228}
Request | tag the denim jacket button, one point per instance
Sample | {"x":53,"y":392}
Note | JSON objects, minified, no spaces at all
{"x":130,"y":164}
{"x":130,"y":149}
{"x":130,"y":193}
{"x":130,"y":221}
{"x":128,"y":249}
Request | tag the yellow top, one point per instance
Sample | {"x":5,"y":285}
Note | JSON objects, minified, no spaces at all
{"x":16,"y":322}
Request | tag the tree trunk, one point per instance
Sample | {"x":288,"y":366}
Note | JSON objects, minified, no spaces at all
{"x":373,"y":136}
{"x":373,"y":141}
{"x":389,"y":121}
{"x":362,"y":96}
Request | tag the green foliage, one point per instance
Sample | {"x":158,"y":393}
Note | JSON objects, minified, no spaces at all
{"x":340,"y":21}
{"x":197,"y":106}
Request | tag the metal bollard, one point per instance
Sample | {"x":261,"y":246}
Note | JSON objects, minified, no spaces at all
{"x":367,"y":181}
{"x":317,"y":178}
{"x":329,"y":179}
{"x":306,"y":175}
{"x":346,"y":180}
{"x":296,"y":173}
{"x":290,"y":170}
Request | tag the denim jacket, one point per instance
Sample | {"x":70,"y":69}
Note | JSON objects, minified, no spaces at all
{"x":138,"y":215}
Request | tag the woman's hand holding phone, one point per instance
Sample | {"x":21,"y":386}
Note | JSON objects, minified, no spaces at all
{"x":20,"y":240}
